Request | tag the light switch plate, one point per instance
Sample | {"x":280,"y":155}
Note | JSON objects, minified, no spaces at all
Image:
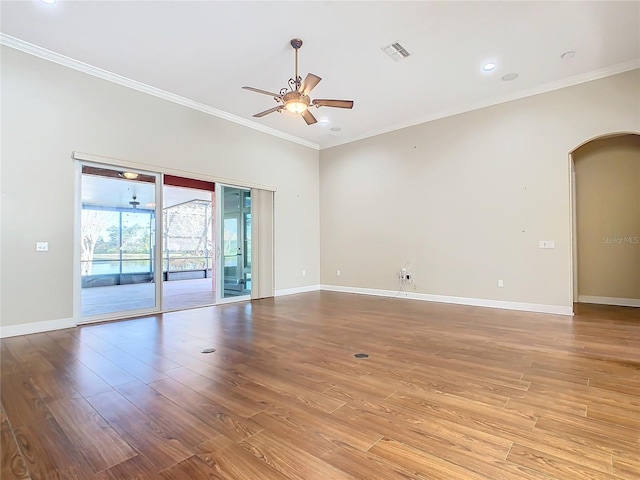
{"x":42,"y":246}
{"x":547,"y":244}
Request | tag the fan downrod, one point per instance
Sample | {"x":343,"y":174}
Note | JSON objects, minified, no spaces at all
{"x":296,"y":43}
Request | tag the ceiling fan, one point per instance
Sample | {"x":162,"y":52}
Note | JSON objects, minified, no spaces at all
{"x":296,"y":99}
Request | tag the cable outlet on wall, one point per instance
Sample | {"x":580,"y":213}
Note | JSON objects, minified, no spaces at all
{"x":501,"y":283}
{"x":404,"y":275}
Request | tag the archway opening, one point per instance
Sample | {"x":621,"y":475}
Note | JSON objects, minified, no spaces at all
{"x":606,"y":220}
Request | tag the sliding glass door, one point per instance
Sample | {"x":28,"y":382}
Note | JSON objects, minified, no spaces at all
{"x":118,"y":229}
{"x":235,"y":242}
{"x":218,"y":239}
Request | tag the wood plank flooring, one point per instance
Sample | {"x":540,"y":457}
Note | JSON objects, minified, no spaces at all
{"x":448,"y":392}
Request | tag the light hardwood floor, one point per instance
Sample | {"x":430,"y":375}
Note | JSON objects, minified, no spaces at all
{"x":448,"y":392}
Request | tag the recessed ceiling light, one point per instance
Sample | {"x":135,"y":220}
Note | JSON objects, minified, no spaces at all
{"x":335,"y":129}
{"x":323,"y":121}
{"x":487,"y":67}
{"x":49,"y":1}
{"x":509,"y":76}
{"x":568,"y":55}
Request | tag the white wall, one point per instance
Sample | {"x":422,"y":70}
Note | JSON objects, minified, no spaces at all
{"x":49,"y":110}
{"x":467,"y":198}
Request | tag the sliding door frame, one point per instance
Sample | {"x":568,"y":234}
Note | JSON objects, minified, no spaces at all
{"x":220,"y":298}
{"x":157,"y":239}
{"x":81,"y":158}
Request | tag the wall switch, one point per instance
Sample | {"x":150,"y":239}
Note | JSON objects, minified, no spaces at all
{"x":501,"y":283}
{"x":338,"y":272}
{"x":304,"y":273}
{"x":547,"y":244}
{"x":42,"y":246}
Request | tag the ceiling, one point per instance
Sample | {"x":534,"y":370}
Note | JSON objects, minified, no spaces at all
{"x":117,"y":193}
{"x":205,"y":51}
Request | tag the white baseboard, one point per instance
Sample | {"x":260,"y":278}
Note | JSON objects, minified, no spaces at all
{"x":621,"y":302}
{"x":46,"y":326}
{"x":36,"y":327}
{"x":292,"y":291}
{"x":477,"y":302}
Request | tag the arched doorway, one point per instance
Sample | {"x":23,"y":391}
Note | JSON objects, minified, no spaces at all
{"x":605,"y":174}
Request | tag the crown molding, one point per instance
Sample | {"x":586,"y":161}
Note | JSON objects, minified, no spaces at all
{"x":547,"y":87}
{"x":45,"y":54}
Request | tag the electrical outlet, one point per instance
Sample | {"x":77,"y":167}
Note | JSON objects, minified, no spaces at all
{"x":338,"y":272}
{"x":42,"y":246}
{"x":501,"y":283}
{"x":304,"y":273}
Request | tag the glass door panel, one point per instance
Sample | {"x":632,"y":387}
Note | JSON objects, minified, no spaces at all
{"x":236,"y":242}
{"x":118,"y":230}
{"x":188,"y":275}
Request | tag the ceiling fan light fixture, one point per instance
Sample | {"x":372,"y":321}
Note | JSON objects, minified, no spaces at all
{"x":296,"y":107}
{"x":295,"y":102}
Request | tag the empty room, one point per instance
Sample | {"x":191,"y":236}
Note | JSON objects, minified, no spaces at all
{"x":308,"y":240}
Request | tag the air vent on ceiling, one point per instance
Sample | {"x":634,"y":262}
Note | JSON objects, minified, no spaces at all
{"x":396,"y":51}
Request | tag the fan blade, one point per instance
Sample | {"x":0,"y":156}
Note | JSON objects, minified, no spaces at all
{"x":271,"y":110}
{"x":309,"y":118}
{"x":333,"y":103}
{"x":309,"y":83}
{"x":257,"y":90}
